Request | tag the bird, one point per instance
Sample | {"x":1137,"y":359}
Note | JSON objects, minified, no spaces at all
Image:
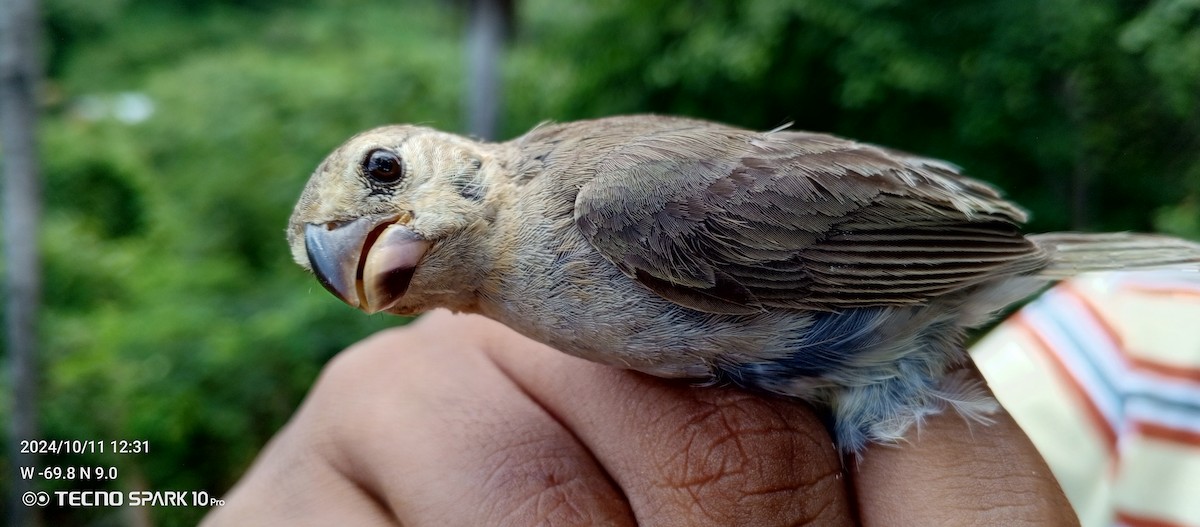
{"x":783,"y":262}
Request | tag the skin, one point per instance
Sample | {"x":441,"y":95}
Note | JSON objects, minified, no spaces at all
{"x":457,"y":420}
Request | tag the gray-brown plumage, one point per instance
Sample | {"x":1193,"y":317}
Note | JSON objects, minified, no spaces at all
{"x":798,"y":263}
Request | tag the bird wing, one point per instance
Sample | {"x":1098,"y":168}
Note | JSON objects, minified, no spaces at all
{"x":725,"y":220}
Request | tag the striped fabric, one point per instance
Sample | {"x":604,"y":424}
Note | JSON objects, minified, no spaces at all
{"x":1103,"y":373}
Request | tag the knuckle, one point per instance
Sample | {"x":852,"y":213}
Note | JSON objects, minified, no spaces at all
{"x":741,"y":456}
{"x":540,"y":481}
{"x":361,"y":361}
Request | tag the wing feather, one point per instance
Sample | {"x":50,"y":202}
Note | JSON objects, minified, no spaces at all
{"x":731,"y":221}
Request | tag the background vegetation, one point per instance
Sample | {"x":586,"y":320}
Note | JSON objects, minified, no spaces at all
{"x":174,"y":314}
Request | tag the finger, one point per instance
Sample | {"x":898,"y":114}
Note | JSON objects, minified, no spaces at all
{"x":290,"y":485}
{"x":440,"y":436}
{"x":954,"y":472}
{"x":683,"y":455}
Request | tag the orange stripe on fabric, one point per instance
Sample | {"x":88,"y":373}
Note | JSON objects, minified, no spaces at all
{"x":1168,"y":434}
{"x":1135,"y":362}
{"x":1109,"y":331}
{"x":1174,"y":292}
{"x":1134,"y":520}
{"x":1107,"y":433}
{"x":1165,"y":370}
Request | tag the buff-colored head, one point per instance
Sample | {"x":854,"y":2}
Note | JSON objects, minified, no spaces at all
{"x":392,"y":220}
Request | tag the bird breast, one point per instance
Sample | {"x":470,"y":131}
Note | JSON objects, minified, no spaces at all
{"x":552,"y":286}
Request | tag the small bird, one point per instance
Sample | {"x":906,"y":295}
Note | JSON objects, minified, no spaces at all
{"x":803,"y":264}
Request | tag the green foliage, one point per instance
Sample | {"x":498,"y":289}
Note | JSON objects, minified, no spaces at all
{"x":1084,"y":111}
{"x":173,"y":310}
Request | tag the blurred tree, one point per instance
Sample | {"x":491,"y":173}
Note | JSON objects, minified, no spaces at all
{"x":173,"y":309}
{"x":1065,"y":102}
{"x":20,"y":71}
{"x":490,"y":22}
{"x":1165,"y":37}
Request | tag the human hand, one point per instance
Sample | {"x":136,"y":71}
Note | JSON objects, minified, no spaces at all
{"x":457,"y":420}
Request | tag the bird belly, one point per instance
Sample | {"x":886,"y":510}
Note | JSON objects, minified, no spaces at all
{"x":581,"y":304}
{"x":877,"y":370}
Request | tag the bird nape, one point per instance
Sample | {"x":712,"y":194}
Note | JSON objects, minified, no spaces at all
{"x":841,"y":273}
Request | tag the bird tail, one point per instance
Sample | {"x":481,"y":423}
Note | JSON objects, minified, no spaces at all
{"x":1072,"y":253}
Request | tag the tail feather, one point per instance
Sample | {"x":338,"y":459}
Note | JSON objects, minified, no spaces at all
{"x":1072,"y":253}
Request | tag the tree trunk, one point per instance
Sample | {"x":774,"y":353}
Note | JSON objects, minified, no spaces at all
{"x":490,"y":20}
{"x":20,"y":69}
{"x":1083,"y":171}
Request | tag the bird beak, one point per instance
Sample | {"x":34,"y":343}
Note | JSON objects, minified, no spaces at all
{"x":368,"y":263}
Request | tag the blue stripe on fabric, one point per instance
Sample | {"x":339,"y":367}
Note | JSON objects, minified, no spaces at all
{"x":1094,"y":379}
{"x":1123,"y":391}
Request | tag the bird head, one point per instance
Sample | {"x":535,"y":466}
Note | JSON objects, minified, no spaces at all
{"x":392,"y":220}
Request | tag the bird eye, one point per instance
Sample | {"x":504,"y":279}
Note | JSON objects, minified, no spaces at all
{"x":383,"y":166}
